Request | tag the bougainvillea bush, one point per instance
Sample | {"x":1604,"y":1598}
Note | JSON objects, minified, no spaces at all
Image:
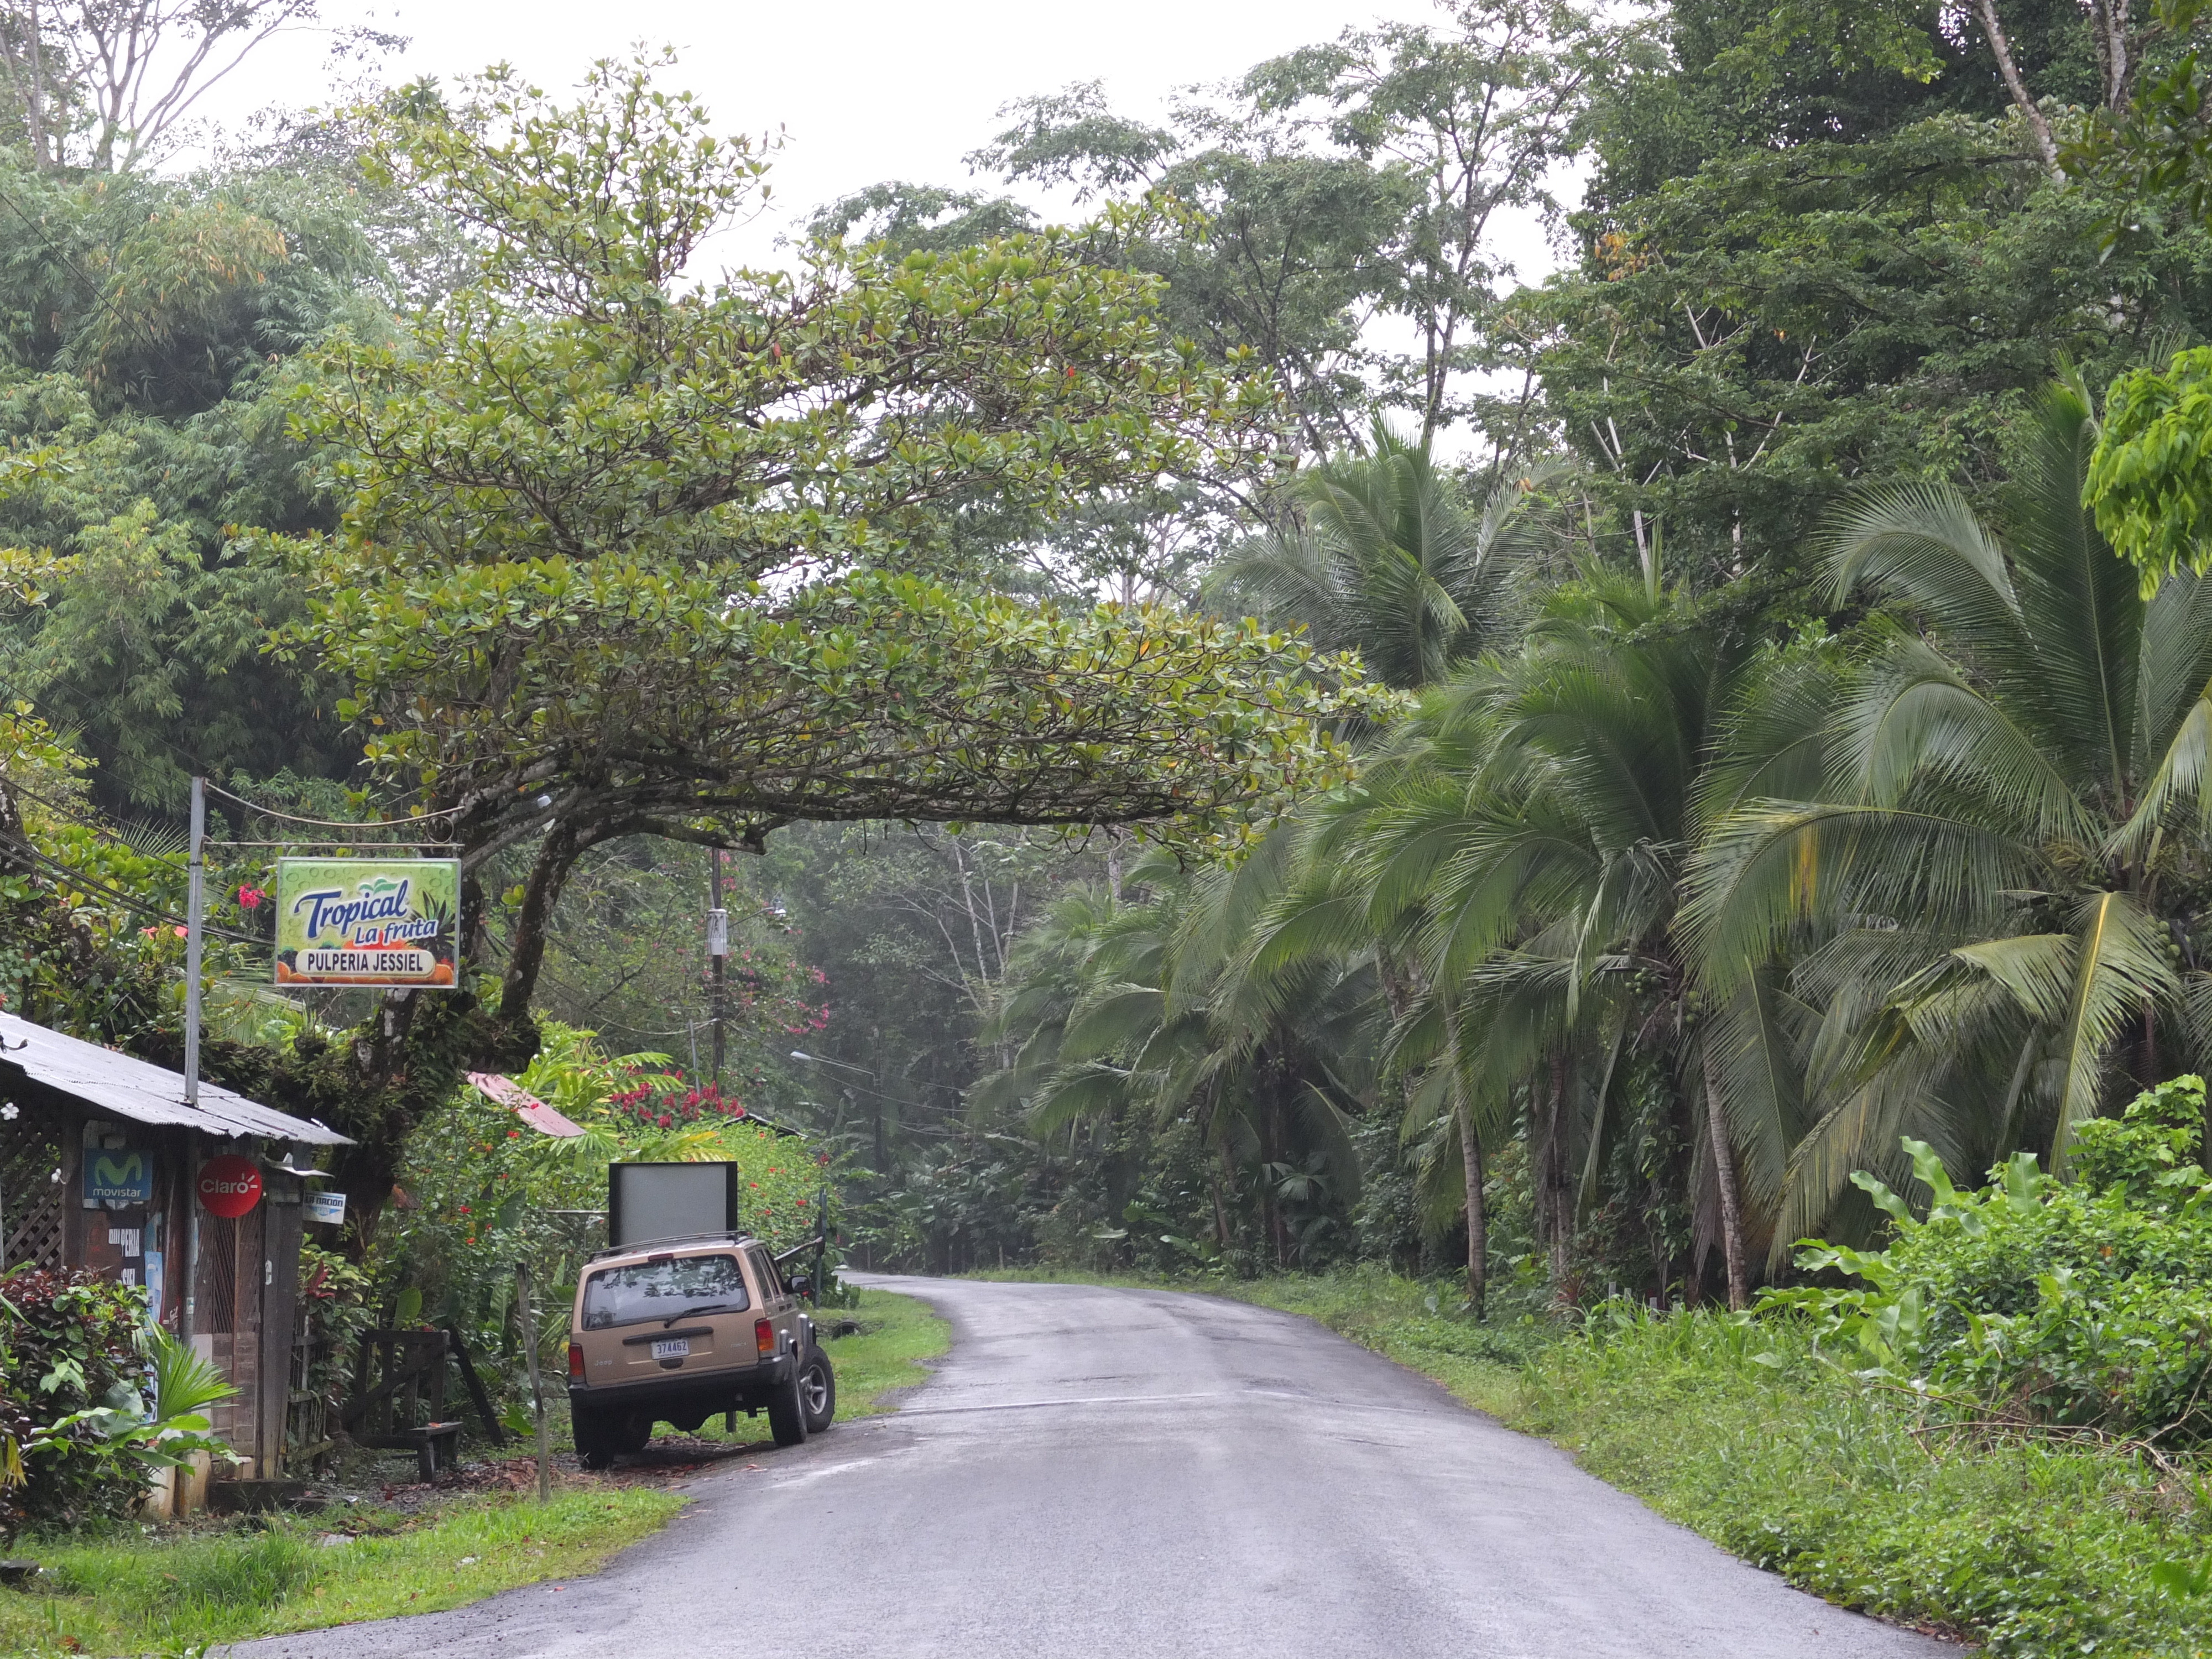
{"x":481,"y":1190}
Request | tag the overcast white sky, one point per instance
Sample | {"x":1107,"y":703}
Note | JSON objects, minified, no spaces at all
{"x":865,"y":91}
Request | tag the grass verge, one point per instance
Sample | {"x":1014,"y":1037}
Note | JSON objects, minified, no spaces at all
{"x":898,"y":1335}
{"x":2035,"y":1548}
{"x":174,"y":1594}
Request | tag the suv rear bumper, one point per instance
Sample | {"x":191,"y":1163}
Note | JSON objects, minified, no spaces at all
{"x":727,"y":1382}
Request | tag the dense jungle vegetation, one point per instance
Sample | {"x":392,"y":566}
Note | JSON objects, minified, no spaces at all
{"x":1241,"y":735}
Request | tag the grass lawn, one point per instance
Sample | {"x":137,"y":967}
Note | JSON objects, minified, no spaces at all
{"x":174,"y":1592}
{"x":897,"y":1334}
{"x":2035,"y":1548}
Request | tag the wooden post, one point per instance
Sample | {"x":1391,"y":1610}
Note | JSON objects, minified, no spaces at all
{"x":536,"y":1385}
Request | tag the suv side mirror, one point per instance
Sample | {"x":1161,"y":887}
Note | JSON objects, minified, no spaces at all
{"x":801,"y":1285}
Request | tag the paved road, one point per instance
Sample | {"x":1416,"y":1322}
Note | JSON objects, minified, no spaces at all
{"x":1127,"y":1473}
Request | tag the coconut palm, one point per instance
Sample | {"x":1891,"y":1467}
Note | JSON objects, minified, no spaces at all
{"x":1524,"y":838}
{"x":1137,"y":1008}
{"x":1987,"y":906}
{"x":1385,"y":559}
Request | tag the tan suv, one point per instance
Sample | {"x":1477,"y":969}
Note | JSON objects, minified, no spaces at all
{"x":675,"y":1330}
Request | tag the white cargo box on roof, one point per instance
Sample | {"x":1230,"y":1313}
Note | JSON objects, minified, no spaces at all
{"x":657,"y":1202}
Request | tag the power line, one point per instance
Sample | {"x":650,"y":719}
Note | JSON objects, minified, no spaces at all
{"x":116,"y":893}
{"x":70,"y":815}
{"x":200,"y":767}
{"x":214,"y":788}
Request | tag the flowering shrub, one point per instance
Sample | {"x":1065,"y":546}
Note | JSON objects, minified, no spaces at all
{"x":483,"y":1192}
{"x":666,"y":1100}
{"x":68,"y":1346}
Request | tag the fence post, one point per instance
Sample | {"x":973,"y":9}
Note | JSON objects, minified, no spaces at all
{"x":536,"y":1385}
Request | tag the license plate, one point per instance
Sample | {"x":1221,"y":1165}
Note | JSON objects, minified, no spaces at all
{"x":676,"y":1348}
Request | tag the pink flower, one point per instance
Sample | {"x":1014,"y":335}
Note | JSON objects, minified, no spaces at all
{"x":250,"y":897}
{"x":181,"y":933}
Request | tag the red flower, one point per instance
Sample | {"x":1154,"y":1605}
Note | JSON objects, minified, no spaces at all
{"x":250,"y":897}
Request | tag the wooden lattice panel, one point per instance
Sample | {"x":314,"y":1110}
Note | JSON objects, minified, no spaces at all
{"x":30,"y":1197}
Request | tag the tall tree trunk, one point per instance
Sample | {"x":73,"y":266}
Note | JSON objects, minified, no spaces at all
{"x":1478,"y":1219}
{"x":2046,"y":146}
{"x":540,"y":893}
{"x":1470,"y":1147}
{"x":1559,"y":1222}
{"x":1725,"y":1166}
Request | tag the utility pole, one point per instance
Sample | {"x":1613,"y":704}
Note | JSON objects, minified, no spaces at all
{"x":717,"y":950}
{"x":196,"y":915}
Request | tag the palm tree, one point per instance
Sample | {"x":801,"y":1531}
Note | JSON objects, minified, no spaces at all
{"x":1988,"y":905}
{"x":1524,"y":838}
{"x":1140,"y":1008}
{"x":1386,"y":560}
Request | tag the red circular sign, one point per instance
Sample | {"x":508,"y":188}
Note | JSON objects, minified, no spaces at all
{"x":229,"y":1186}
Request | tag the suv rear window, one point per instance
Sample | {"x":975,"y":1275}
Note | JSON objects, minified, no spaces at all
{"x":663,"y":1290}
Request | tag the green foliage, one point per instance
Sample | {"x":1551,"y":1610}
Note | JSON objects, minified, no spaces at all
{"x":707,"y":590}
{"x":184,"y":1591}
{"x":485,"y":1192}
{"x":145,"y":325}
{"x":1743,"y":344}
{"x":76,"y":1442}
{"x":2034,"y":1302}
{"x":2150,"y":480}
{"x":2040,"y":1548}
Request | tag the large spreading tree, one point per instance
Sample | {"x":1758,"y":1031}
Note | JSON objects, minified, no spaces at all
{"x":627,"y":552}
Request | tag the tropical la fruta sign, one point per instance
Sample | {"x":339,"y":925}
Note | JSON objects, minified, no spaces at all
{"x":369,"y":922}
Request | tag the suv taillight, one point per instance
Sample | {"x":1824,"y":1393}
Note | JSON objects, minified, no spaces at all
{"x":763,"y":1336}
{"x":575,"y":1359}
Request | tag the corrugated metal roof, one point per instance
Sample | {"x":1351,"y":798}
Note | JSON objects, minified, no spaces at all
{"x":527,"y":1106}
{"x":125,"y":1087}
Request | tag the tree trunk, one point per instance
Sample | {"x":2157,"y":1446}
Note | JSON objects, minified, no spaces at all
{"x":539,"y":895}
{"x":1470,"y":1147}
{"x":1478,"y":1220}
{"x":1558,"y":1212}
{"x":2046,"y":146}
{"x":1724,"y":1167}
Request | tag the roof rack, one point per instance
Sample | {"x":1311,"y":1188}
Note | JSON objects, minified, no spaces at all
{"x":733,"y":1235}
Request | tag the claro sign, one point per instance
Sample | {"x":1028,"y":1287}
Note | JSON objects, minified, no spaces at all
{"x":229,"y":1186}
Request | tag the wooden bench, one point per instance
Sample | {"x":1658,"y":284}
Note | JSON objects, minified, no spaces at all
{"x":398,"y":1374}
{"x":435,"y":1445}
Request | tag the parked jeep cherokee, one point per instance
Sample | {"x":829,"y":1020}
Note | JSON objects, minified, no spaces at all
{"x":675,"y":1330}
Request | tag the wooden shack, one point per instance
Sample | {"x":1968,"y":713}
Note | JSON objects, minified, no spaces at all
{"x":102,"y":1165}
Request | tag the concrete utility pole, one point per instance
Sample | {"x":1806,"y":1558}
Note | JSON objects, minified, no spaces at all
{"x":717,"y":949}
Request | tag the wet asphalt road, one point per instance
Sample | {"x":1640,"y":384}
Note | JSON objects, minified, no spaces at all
{"x":1131,"y":1474}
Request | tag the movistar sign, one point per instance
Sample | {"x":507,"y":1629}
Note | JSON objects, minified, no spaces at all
{"x":118,"y":1177}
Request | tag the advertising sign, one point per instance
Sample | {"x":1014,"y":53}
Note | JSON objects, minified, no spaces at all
{"x":326,"y":1206}
{"x":117,"y":1177}
{"x":369,"y":922}
{"x":229,"y":1186}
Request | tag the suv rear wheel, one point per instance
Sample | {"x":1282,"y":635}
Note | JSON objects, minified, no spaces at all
{"x":786,"y":1413}
{"x":595,"y":1446}
{"x":817,"y":1390}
